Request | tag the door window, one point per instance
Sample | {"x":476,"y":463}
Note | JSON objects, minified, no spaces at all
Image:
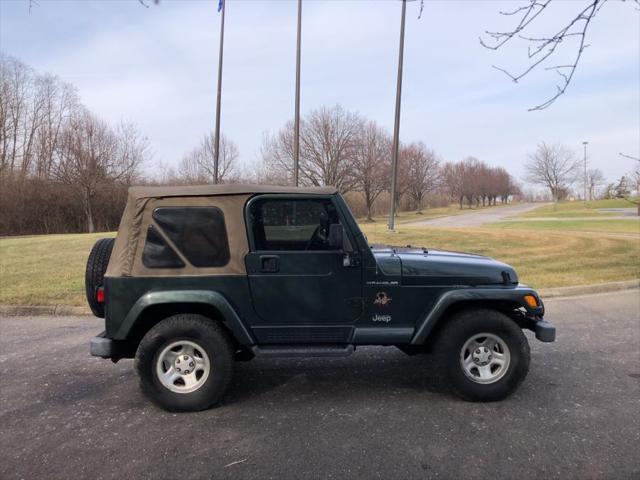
{"x":286,"y":224}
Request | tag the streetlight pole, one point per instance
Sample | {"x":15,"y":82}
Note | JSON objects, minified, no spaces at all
{"x":396,"y":127}
{"x":296,"y":129}
{"x":222,"y":5}
{"x":585,"y":171}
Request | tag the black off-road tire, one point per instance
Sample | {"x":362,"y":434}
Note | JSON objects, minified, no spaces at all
{"x":94,"y":273}
{"x":207,"y":334}
{"x":465,"y":325}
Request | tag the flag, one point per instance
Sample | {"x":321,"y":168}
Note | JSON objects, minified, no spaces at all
{"x":220,"y":5}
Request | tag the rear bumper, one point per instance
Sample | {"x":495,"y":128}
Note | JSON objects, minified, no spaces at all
{"x":105,"y":347}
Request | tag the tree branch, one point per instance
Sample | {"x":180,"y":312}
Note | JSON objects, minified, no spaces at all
{"x":545,"y":47}
{"x":629,"y":156}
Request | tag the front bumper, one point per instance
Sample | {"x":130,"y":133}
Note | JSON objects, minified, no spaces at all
{"x":105,"y":347}
{"x":545,"y":331}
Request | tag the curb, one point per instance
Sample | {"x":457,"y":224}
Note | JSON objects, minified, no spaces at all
{"x":51,"y":310}
{"x":63,"y":310}
{"x":588,"y":289}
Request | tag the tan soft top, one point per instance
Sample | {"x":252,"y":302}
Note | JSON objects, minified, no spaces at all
{"x":125,"y":258}
{"x":223,"y":189}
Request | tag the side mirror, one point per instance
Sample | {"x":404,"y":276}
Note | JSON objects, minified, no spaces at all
{"x":336,"y":236}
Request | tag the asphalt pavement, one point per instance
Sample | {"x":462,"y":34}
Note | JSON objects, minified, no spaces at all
{"x":477,"y":218}
{"x":376,"y":414}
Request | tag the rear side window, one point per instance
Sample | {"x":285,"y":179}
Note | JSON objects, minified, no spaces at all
{"x":199,"y":233}
{"x":157,"y":252}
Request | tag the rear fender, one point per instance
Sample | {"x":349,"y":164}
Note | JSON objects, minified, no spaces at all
{"x":206,"y":297}
{"x":449,"y":299}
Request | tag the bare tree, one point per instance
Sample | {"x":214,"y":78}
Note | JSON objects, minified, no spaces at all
{"x":17,"y":80}
{"x":595,"y":179}
{"x":371,"y":166}
{"x":504,"y":185}
{"x":453,"y":175}
{"x":548,"y":51}
{"x":553,"y":166}
{"x":471,"y":181}
{"x":61,"y":169}
{"x":328,"y":144}
{"x":476,"y":182}
{"x":277,"y":156}
{"x":635,"y":178}
{"x":91,"y":155}
{"x":198,"y":166}
{"x":60,"y":100}
{"x":33,"y":109}
{"x":423,"y":173}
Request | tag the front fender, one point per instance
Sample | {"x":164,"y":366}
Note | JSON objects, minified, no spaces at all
{"x":207,"y":297}
{"x":430,"y":319}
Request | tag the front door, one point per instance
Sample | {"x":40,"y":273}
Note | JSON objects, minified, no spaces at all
{"x":302,"y":292}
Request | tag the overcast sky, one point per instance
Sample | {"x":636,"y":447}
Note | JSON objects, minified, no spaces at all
{"x":157,"y":67}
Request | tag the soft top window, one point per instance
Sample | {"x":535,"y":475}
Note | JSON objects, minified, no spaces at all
{"x":199,"y":233}
{"x":292,"y":224}
{"x":157,"y":253}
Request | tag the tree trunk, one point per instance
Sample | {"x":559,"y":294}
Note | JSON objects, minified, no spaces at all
{"x":369,"y":207}
{"x":88,"y":211}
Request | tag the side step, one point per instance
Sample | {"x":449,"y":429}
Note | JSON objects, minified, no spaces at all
{"x":304,"y":351}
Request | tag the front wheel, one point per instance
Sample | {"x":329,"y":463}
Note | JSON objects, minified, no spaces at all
{"x":483,"y":353}
{"x":185,"y":363}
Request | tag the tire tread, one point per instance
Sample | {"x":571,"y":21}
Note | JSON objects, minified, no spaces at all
{"x":458,"y":328}
{"x":208,"y":331}
{"x":94,"y":274}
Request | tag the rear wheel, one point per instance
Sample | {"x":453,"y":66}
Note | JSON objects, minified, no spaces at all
{"x":185,"y":363}
{"x":94,"y":273}
{"x":484,"y":354}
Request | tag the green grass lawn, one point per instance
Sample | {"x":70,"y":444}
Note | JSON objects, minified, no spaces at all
{"x":44,"y":269}
{"x":542,"y":259}
{"x":49,"y":269}
{"x":578,"y":209}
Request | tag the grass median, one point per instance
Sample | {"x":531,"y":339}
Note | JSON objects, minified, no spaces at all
{"x":593,"y":208}
{"x":604,"y":225}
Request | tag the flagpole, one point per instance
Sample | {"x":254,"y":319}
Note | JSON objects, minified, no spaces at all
{"x":296,"y":128}
{"x":216,"y":155}
{"x":396,"y":127}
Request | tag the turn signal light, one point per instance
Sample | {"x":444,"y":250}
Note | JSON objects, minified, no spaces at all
{"x":100,"y":295}
{"x":531,"y":301}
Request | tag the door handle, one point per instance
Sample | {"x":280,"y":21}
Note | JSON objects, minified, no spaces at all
{"x":269,"y":263}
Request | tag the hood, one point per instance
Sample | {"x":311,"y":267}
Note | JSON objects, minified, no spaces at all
{"x":438,"y":267}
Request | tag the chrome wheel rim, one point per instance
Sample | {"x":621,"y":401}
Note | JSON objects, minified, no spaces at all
{"x":485,"y":358}
{"x":183,"y":366}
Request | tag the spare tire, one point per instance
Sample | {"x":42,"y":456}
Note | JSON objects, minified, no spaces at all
{"x":94,"y":275}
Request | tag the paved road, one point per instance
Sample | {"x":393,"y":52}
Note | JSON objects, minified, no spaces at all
{"x":376,"y":414}
{"x":477,"y":218}
{"x":626,"y":212}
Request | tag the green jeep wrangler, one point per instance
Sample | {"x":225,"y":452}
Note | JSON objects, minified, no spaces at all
{"x":199,"y":277}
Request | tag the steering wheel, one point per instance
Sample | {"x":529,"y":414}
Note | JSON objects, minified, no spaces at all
{"x":317,"y":238}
